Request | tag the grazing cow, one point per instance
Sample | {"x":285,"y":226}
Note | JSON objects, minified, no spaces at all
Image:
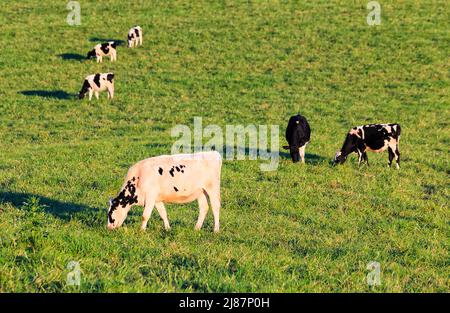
{"x":134,"y":37}
{"x":104,"y":49}
{"x":372,"y":137}
{"x":98,"y":82}
{"x":298,"y":134}
{"x":179,"y":178}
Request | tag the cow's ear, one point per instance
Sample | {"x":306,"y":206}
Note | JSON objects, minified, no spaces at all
{"x":110,"y":201}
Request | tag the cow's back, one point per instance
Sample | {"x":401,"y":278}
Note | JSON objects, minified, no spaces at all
{"x":180,"y":177}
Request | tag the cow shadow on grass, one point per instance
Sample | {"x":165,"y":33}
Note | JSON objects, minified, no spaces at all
{"x":310,"y":158}
{"x":119,"y":42}
{"x":55,"y":94}
{"x":65,"y":211}
{"x":72,"y":56}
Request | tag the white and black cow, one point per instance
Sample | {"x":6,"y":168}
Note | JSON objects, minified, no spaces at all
{"x":104,"y":49}
{"x":179,"y":178}
{"x":98,"y":82}
{"x":372,"y":137}
{"x":134,"y":37}
{"x":298,"y":134}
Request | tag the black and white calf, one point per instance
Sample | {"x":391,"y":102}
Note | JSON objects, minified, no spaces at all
{"x":372,"y":137}
{"x":98,"y":82}
{"x":134,"y":37}
{"x":104,"y":49}
{"x":298,"y":134}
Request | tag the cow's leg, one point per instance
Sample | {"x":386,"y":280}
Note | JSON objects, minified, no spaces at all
{"x":391,"y":156}
{"x":163,"y":213}
{"x":96,"y":94}
{"x":140,"y":39}
{"x":302,"y":153}
{"x":360,"y":157}
{"x":397,"y":157}
{"x":203,"y":209}
{"x":214,"y":197}
{"x":366,"y":158}
{"x":90,"y":94}
{"x":148,"y":208}
{"x":394,"y":153}
{"x":110,"y":92}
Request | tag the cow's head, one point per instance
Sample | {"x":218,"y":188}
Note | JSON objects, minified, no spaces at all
{"x":349,"y":146}
{"x":121,"y":205}
{"x":84,"y":89}
{"x":91,"y":54}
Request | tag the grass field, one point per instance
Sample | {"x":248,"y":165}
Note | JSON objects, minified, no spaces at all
{"x":302,"y":228}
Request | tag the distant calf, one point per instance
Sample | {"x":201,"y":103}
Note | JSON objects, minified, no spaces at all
{"x":372,"y":137}
{"x":98,"y":82}
{"x":134,"y":37}
{"x":104,"y":49}
{"x":177,"y":178}
{"x":298,"y":134}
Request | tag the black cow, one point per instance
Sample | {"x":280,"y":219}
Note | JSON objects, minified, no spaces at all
{"x":372,"y":137}
{"x":298,"y":134}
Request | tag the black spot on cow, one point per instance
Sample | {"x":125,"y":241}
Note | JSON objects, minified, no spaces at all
{"x":177,"y":168}
{"x":176,"y":189}
{"x":160,"y":171}
{"x":171,"y":171}
{"x":97,"y":80}
{"x":114,"y":44}
{"x":136,"y":31}
{"x":110,"y":77}
{"x":105,"y":48}
{"x":123,"y":199}
{"x":129,"y":37}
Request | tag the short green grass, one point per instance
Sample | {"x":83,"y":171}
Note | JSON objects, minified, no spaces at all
{"x":302,"y":228}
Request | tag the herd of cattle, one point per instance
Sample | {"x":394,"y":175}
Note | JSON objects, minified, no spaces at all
{"x":184,"y":178}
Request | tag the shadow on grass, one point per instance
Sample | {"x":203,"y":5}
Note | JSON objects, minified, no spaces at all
{"x":72,"y":56}
{"x":59,"y":209}
{"x":119,"y":42}
{"x":310,"y":158}
{"x":56,"y":94}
